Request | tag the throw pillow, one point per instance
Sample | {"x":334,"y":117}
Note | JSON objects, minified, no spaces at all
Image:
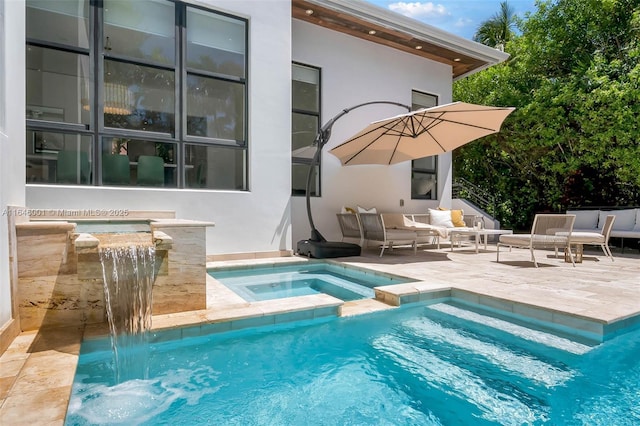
{"x":457,"y":217}
{"x":363,"y":210}
{"x":440,"y":218}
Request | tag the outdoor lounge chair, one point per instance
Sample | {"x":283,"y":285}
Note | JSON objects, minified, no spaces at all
{"x":373,"y":230}
{"x":547,"y":231}
{"x":418,"y":223}
{"x":350,"y":227}
{"x":601,"y":239}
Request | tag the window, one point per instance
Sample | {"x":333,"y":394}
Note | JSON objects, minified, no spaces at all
{"x":424,"y":171}
{"x":305,"y":123}
{"x":158,"y":82}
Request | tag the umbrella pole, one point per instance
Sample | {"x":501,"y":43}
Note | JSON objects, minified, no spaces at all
{"x":320,"y":141}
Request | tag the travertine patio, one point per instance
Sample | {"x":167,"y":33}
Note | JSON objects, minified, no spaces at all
{"x":36,"y":372}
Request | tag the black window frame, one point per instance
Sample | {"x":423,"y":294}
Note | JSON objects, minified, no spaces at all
{"x":424,"y":171}
{"x":96,"y":128}
{"x":318,"y":116}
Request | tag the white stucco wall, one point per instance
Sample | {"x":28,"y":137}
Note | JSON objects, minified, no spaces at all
{"x":253,"y":221}
{"x":266,"y":218}
{"x":356,"y":71}
{"x":12,"y":148}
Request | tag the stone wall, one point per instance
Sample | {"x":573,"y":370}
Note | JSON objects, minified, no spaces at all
{"x":61,"y":284}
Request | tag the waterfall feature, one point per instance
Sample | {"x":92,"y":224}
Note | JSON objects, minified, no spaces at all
{"x":128,"y":275}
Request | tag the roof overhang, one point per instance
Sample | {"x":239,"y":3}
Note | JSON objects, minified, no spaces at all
{"x":375,"y":24}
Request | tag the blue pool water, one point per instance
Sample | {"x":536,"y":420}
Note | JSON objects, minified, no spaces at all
{"x":417,"y":365}
{"x":301,"y":279}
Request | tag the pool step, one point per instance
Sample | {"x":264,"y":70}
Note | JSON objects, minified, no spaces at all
{"x":363,"y":306}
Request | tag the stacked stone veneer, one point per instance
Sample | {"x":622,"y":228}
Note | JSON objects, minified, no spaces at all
{"x":60,"y":283}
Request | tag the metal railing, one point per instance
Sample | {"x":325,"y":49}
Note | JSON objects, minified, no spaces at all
{"x":462,"y":188}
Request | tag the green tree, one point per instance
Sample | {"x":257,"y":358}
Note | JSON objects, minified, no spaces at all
{"x":499,"y":29}
{"x":574,"y":139}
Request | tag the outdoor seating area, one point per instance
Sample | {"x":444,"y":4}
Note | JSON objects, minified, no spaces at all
{"x":557,"y":232}
{"x":626,"y":226}
{"x":366,"y":226}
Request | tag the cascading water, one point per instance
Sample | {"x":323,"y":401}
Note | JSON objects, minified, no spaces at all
{"x":128,"y":275}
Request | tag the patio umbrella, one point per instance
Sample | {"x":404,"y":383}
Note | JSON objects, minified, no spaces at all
{"x":421,"y":133}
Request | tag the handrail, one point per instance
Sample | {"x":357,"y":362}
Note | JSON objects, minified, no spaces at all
{"x":462,"y":188}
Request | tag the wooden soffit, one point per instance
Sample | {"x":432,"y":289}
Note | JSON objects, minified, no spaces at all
{"x":377,"y":25}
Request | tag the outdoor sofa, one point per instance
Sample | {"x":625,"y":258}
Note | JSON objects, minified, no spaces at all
{"x":425,"y":228}
{"x":626,"y":225}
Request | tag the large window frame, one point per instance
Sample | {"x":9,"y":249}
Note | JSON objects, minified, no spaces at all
{"x":305,"y":124}
{"x":424,"y":171}
{"x":214,"y":159}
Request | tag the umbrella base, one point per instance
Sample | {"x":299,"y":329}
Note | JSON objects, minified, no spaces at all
{"x":327,"y":249}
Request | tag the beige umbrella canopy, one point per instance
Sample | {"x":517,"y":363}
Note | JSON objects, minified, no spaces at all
{"x":421,"y":133}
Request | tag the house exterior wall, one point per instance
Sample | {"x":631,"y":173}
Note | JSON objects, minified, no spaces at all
{"x":354,"y":71}
{"x":265,"y":218}
{"x":254,"y":221}
{"x":12,"y":131}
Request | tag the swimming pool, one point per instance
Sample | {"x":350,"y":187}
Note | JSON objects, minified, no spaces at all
{"x":427,"y":365}
{"x":303,"y":278}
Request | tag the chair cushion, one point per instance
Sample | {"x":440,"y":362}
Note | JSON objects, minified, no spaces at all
{"x":525,"y":240}
{"x":585,"y":219}
{"x":587,"y":238}
{"x":441,"y":218}
{"x":401,"y":234}
{"x":515,"y":239}
{"x":363,"y":210}
{"x":393,"y":220}
{"x":625,"y":219}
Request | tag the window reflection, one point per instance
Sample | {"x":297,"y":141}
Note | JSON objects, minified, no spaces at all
{"x":59,"y":158}
{"x":128,"y":161}
{"x":215,"y":167}
{"x":215,"y":43}
{"x":64,"y":22}
{"x":56,"y":83}
{"x":139,"y":98}
{"x":215,"y":108}
{"x":141,"y":29}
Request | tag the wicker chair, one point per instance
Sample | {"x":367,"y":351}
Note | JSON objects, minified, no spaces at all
{"x":547,"y":231}
{"x":374,"y":230}
{"x":350,"y":227}
{"x":579,"y":239}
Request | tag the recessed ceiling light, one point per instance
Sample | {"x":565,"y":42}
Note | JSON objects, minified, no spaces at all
{"x":309,"y":12}
{"x":456,"y":59}
{"x":372,"y":32}
{"x":418,"y":47}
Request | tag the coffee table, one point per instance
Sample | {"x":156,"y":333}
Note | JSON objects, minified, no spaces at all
{"x":476,"y":233}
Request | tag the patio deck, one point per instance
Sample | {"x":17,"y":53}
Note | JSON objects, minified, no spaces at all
{"x":36,"y":372}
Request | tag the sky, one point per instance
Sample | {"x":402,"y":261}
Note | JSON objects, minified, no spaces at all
{"x":459,"y":17}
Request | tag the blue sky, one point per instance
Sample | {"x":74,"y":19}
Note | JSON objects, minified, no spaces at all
{"x":455,"y":16}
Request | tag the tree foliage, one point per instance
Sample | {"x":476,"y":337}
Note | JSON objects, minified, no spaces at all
{"x":574,"y":139}
{"x":497,"y":30}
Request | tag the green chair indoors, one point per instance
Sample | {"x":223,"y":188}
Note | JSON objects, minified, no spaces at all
{"x":115,"y":169}
{"x":150,"y":170}
{"x":73,"y":167}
